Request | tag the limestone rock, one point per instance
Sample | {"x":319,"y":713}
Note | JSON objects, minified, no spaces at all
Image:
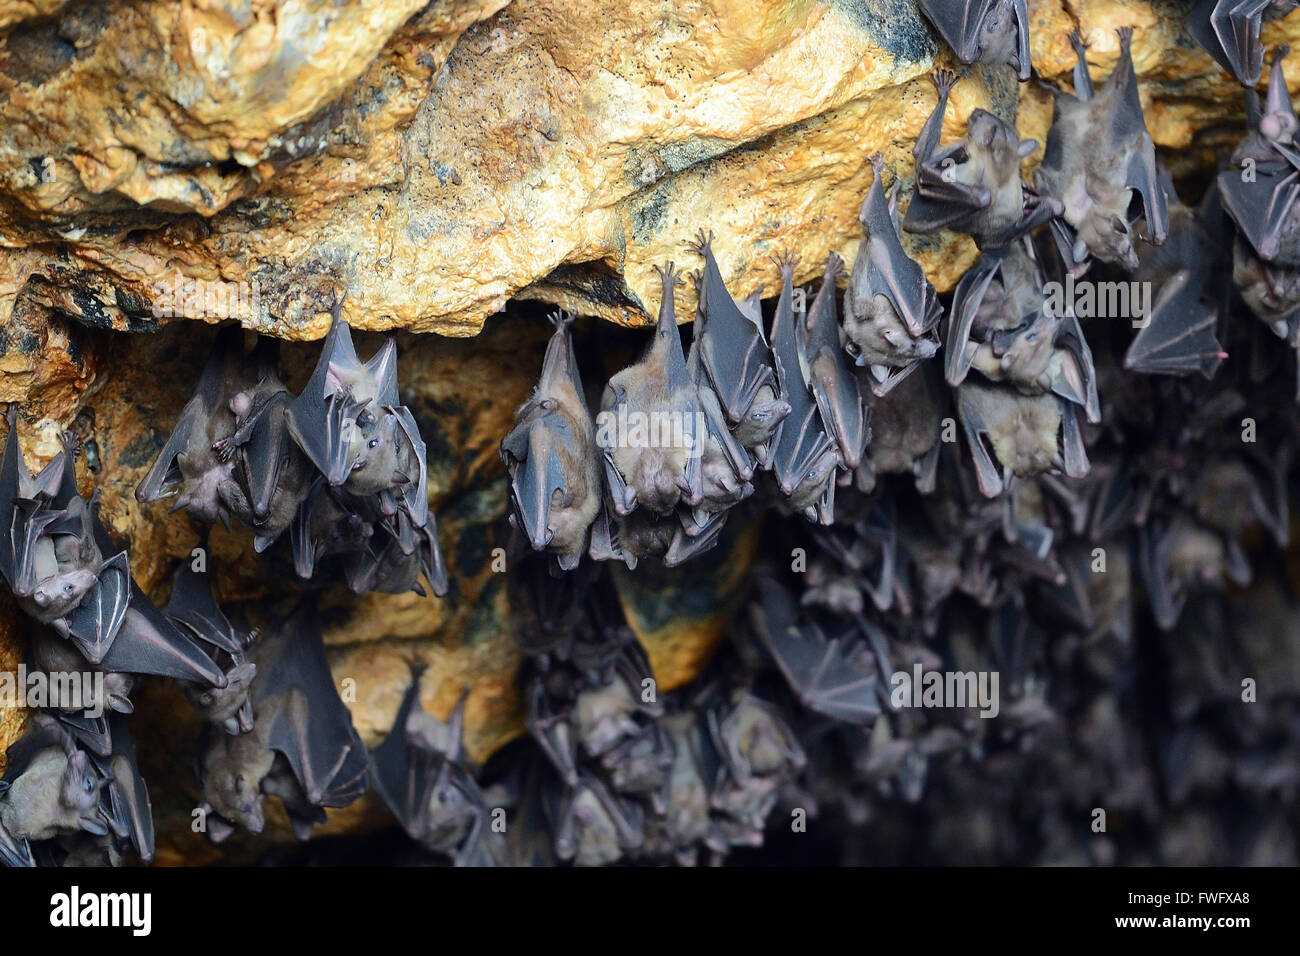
{"x":246,"y":160}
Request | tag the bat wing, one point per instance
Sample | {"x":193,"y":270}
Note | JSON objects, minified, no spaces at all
{"x":1178,"y":338}
{"x":890,"y":269}
{"x":800,"y":438}
{"x":958,"y":22}
{"x":685,"y":546}
{"x":1261,"y":208}
{"x":821,"y":674}
{"x":415,"y":494}
{"x":403,"y":774}
{"x":966,"y":299}
{"x":148,"y":643}
{"x":95,"y":624}
{"x":382,"y":367}
{"x":320,"y":416}
{"x":1079,"y":384}
{"x":538,"y":473}
{"x":1128,"y":131}
{"x":219,"y":375}
{"x":12,"y":470}
{"x":309,"y":724}
{"x":733,"y":351}
{"x":1229,"y":31}
{"x":128,"y":810}
{"x":191,"y":604}
{"x":13,"y":851}
{"x":941,"y":200}
{"x":269,"y":450}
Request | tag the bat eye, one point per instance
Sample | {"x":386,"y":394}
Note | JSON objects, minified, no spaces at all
{"x":88,"y":785}
{"x":67,"y":589}
{"x":373,"y":443}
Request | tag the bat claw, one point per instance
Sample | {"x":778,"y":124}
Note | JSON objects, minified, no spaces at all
{"x":944,"y":80}
{"x":703,"y":240}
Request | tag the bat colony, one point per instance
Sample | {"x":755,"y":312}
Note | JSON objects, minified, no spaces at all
{"x":827,"y":397}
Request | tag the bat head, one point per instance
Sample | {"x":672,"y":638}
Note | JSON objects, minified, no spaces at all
{"x":60,"y":593}
{"x":761,"y":419}
{"x":999,"y":35}
{"x":81,"y":788}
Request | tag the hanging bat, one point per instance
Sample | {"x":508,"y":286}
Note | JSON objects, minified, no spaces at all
{"x":725,"y":465}
{"x":1175,"y":557}
{"x":593,"y":827}
{"x":419,"y":775}
{"x":680,"y":832}
{"x":307,"y":723}
{"x":1179,"y":335}
{"x":992,"y":31}
{"x":125,"y":803}
{"x":826,"y":371}
{"x":906,"y":426}
{"x":1099,"y":159}
{"x":1271,"y":130}
{"x":826,"y":676}
{"x":349,"y":421}
{"x":191,"y":606}
{"x":651,"y":460}
{"x":50,"y":788}
{"x":550,"y":454}
{"x":1029,"y":434}
{"x":1004,"y":327}
{"x":50,"y":553}
{"x":733,"y":350}
{"x":1229,"y":31}
{"x":890,"y":308}
{"x":753,"y":738}
{"x":804,"y":456}
{"x":640,"y":765}
{"x":974,"y":186}
{"x":188,"y":467}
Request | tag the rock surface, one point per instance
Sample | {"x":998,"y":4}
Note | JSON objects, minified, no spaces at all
{"x":209,"y":160}
{"x":436,"y":161}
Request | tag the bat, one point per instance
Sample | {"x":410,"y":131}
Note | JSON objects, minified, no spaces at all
{"x":680,"y":832}
{"x":550,"y":454}
{"x":593,"y":827}
{"x":1100,"y":159}
{"x":1004,"y":327}
{"x":50,"y":788}
{"x":890,"y":308}
{"x":974,"y":186}
{"x":50,"y":554}
{"x":1179,"y":335}
{"x":828,"y":374}
{"x":188,"y":467}
{"x":1229,"y":31}
{"x":350,"y":423}
{"x":419,"y":774}
{"x":753,"y":738}
{"x":1174,"y":556}
{"x":1260,"y":188}
{"x":53,"y":559}
{"x":640,"y":766}
{"x":125,"y":803}
{"x":733,"y":350}
{"x":826,"y":676}
{"x":550,"y":727}
{"x":804,"y":456}
{"x":650,"y":460}
{"x":192,"y":607}
{"x":1023,"y":432}
{"x":303,"y":748}
{"x":374,"y":551}
{"x":307,"y":723}
{"x":725,"y":465}
{"x":993,"y":31}
{"x":906,"y":425}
